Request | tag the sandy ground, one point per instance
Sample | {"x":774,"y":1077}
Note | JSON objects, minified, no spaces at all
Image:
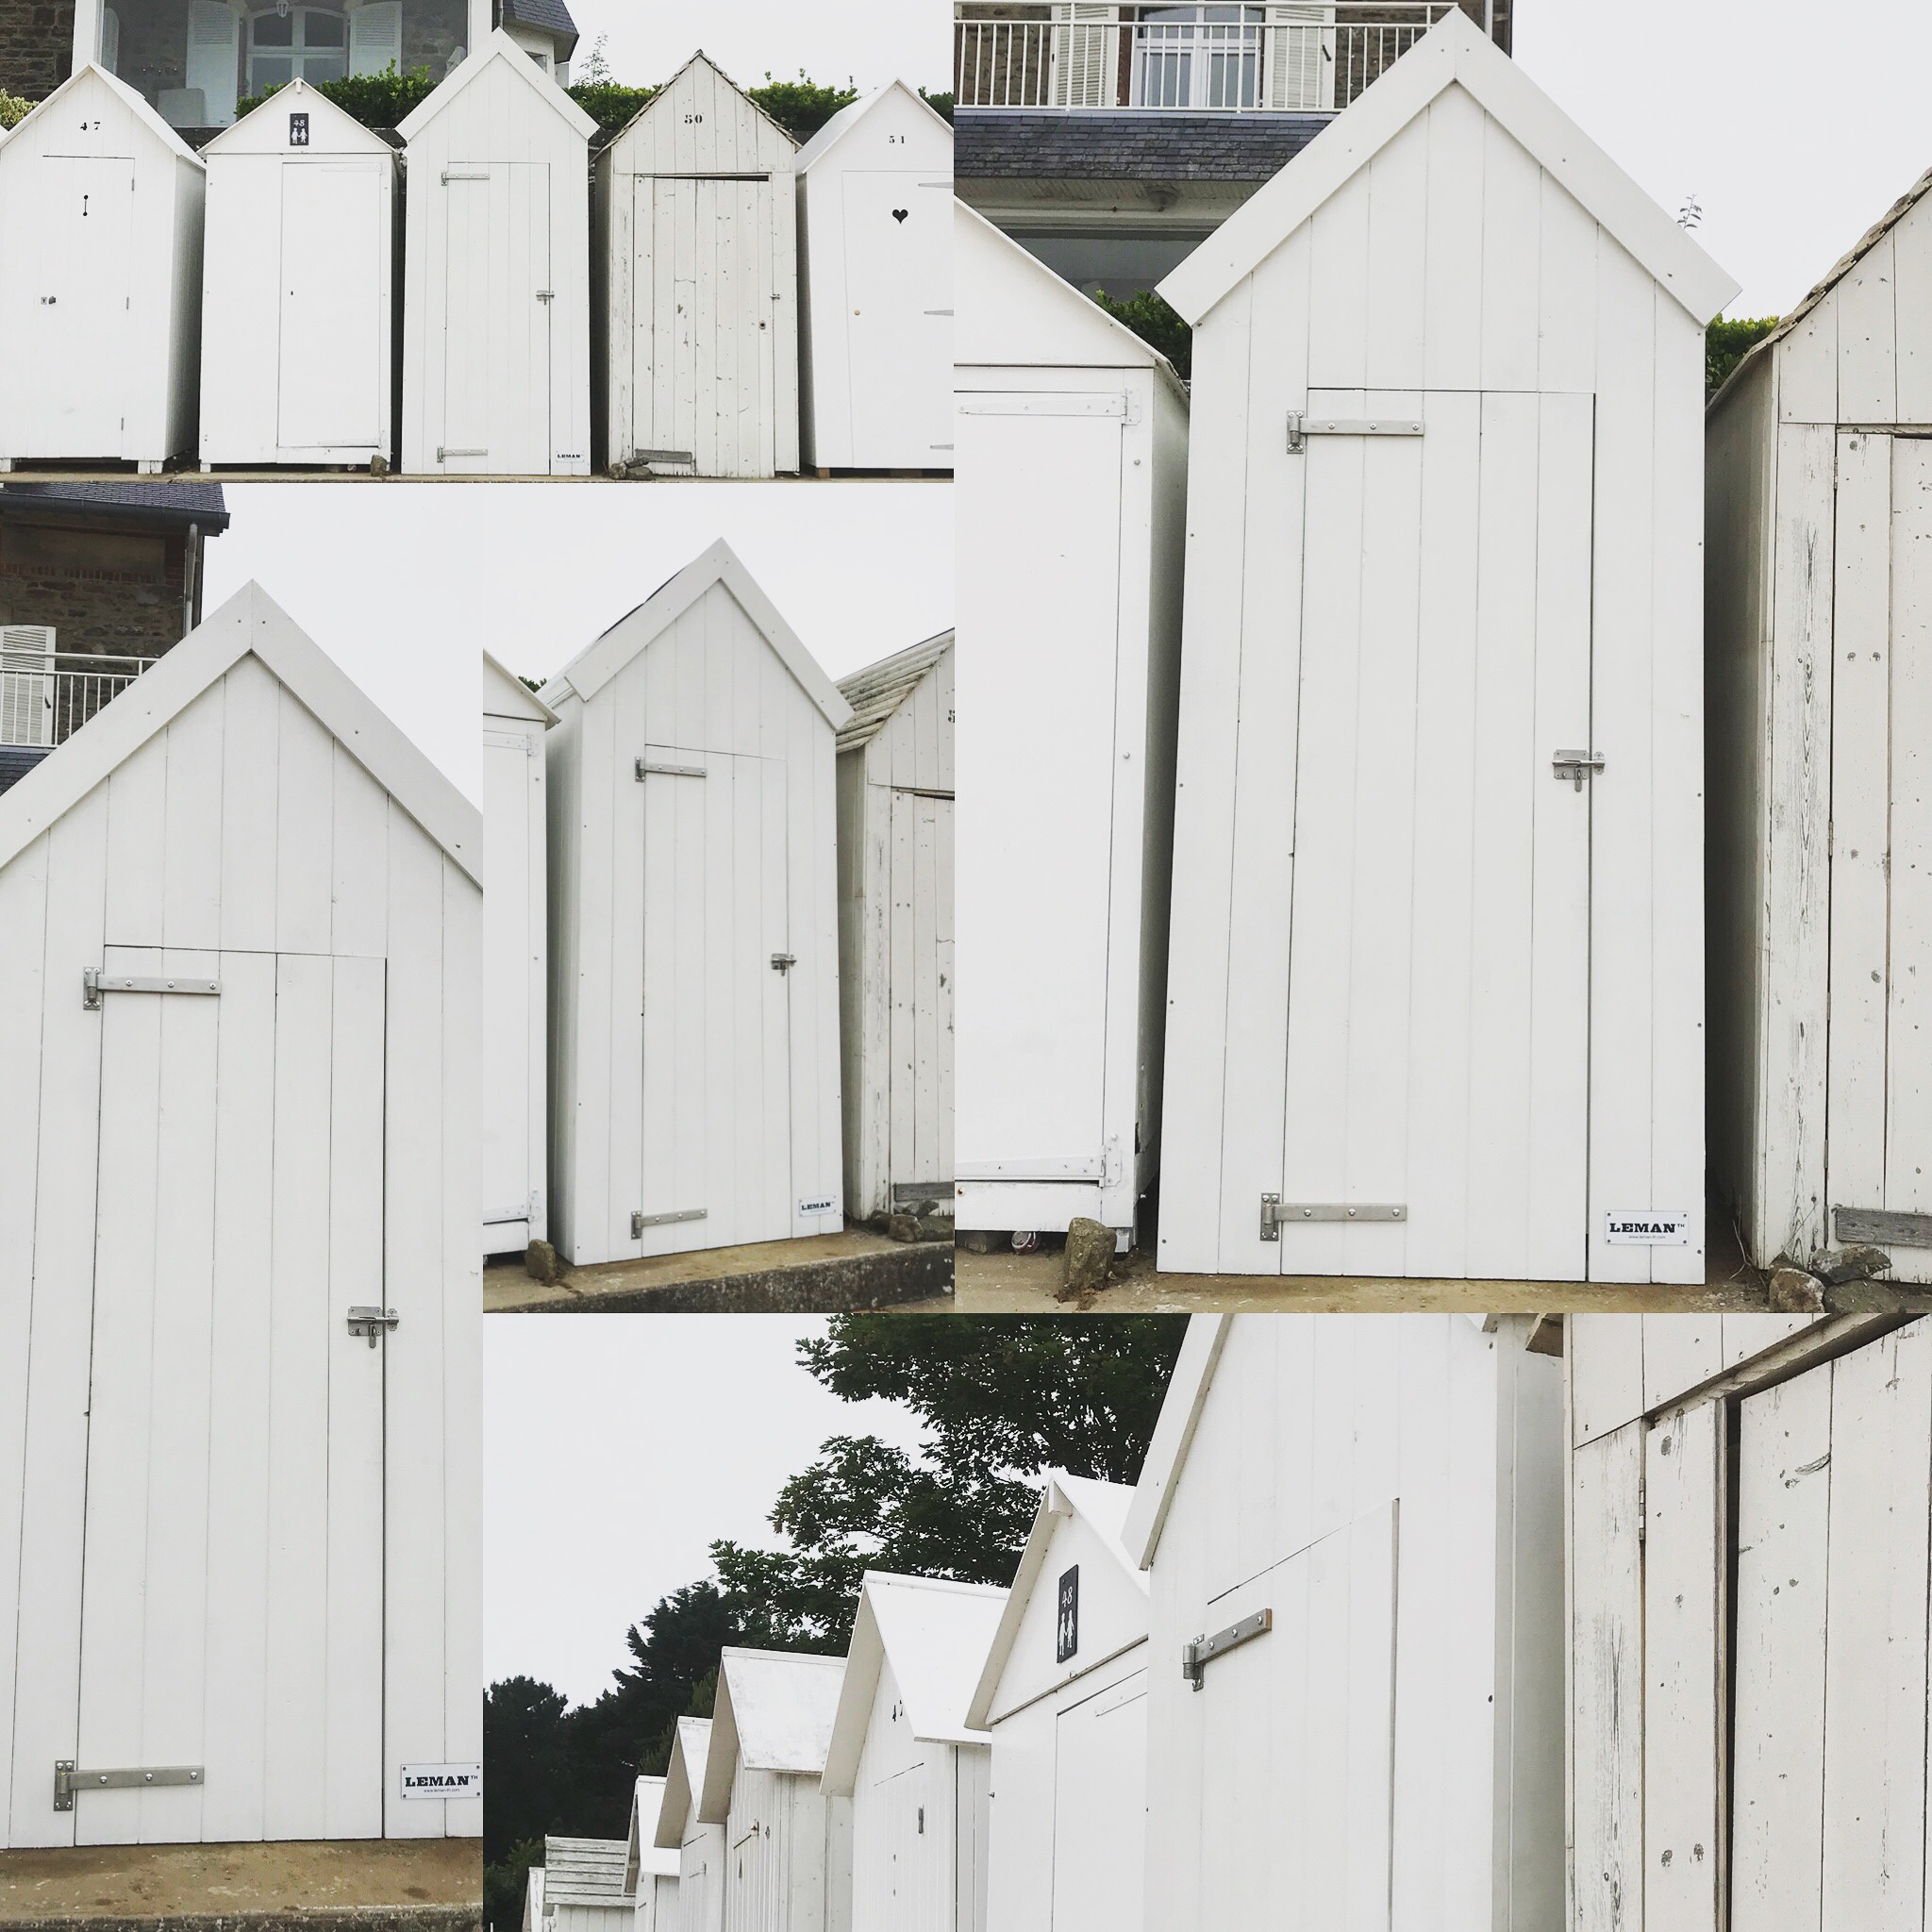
{"x":143,"y":1882}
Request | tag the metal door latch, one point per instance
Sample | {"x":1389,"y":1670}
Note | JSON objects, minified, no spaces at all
{"x":1277,"y":1214}
{"x":372,"y":1322}
{"x":67,"y":1780}
{"x":784,"y":962}
{"x":1576,"y":765}
{"x":1195,"y":1657}
{"x":546,"y":294}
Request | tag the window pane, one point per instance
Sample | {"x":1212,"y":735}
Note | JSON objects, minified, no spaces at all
{"x":270,"y":70}
{"x":317,"y":68}
{"x":274,"y":30}
{"x":323,"y":29}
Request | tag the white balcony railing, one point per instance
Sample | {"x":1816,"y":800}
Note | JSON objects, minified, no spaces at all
{"x":45,"y":700}
{"x":1284,"y":56}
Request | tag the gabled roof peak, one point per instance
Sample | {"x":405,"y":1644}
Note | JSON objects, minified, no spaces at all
{"x":91,"y":72}
{"x":498,"y":47}
{"x":853,"y":112}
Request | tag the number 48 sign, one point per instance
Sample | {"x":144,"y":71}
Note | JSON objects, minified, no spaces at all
{"x":1067,"y":1628}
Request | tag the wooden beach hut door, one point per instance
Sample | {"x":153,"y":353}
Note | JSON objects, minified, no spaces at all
{"x":333,"y":333}
{"x":1100,"y":1808}
{"x":920,"y":1101}
{"x":899,"y":237}
{"x":1438,"y":940}
{"x":497,"y":297}
{"x":231,"y":1593}
{"x":71,"y":293}
{"x":1878,"y":1105}
{"x":717,"y":1024}
{"x":702,"y":378}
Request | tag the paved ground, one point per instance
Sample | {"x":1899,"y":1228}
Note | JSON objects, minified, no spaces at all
{"x":399,"y":1884}
{"x":822,"y":1273}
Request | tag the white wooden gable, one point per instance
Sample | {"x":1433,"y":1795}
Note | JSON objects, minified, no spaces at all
{"x":684,"y":1778}
{"x":249,"y":623}
{"x":332,"y":130}
{"x":644,"y":1859}
{"x":853,"y":112}
{"x":58,"y":108}
{"x":1454,"y":54}
{"x":663,"y":133}
{"x":505,"y":695}
{"x":499,"y":51}
{"x":773,"y":1712}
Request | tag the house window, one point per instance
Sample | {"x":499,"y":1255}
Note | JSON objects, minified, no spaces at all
{"x":1197,"y":57}
{"x":296,"y":43}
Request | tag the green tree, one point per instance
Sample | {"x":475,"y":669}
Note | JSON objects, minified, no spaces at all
{"x":1156,"y":323}
{"x":800,"y":106}
{"x":1727,"y":342}
{"x":506,"y":1882}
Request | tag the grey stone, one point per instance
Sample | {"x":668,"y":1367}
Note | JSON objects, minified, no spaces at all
{"x":1795,"y":1292}
{"x":1090,"y":1250}
{"x":1839,"y":1265}
{"x":902,"y":1228}
{"x":540,"y":1263}
{"x":977,"y":1240}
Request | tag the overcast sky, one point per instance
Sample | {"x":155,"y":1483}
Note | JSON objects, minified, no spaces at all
{"x":618,"y":1449}
{"x":1795,"y":125}
{"x":860,"y":43}
{"x":406,"y":584}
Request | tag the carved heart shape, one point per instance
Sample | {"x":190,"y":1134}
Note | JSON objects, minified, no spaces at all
{"x":899,"y":215}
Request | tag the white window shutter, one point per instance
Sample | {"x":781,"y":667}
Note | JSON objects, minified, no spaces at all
{"x":375,"y":37}
{"x":110,"y":40}
{"x":1301,"y":62}
{"x":215,"y":59}
{"x":26,"y":684}
{"x":1088,"y":54}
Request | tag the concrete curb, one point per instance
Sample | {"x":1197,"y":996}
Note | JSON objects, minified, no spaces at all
{"x":842,"y":1285}
{"x":284,"y":1919}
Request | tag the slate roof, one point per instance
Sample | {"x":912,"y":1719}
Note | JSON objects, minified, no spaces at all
{"x":583,"y":1871}
{"x":182,"y":502}
{"x":553,"y":16}
{"x":879,"y":691}
{"x":1097,"y":144}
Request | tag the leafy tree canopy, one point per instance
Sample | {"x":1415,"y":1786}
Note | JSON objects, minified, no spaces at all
{"x":1726,"y":344}
{"x":1156,"y":323}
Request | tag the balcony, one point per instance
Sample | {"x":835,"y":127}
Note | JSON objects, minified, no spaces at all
{"x":45,"y":697}
{"x":1288,"y":56}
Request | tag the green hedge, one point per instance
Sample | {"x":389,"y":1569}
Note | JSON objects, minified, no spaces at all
{"x":1726,"y":344}
{"x":1154,"y":322}
{"x":377,"y":100}
{"x":13,"y":110}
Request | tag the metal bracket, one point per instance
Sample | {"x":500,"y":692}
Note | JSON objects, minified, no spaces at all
{"x":93,"y":984}
{"x":372,"y":1322}
{"x":1195,"y":1657}
{"x":649,"y":768}
{"x":1576,"y":765}
{"x":67,"y":1780}
{"x":640,"y":1220}
{"x":1884,"y":1226}
{"x":784,"y":962}
{"x":1277,"y":1214}
{"x":442,"y":455}
{"x":1301,"y":427}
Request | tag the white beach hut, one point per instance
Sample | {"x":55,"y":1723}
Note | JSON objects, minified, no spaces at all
{"x":583,"y":1886}
{"x":697,"y":262}
{"x":1353,"y":1525}
{"x":298,"y":286}
{"x":650,"y":1871}
{"x":1071,"y":499}
{"x":1750,"y":1498}
{"x":693,"y":927}
{"x":903,"y":1753}
{"x":1819,"y":598}
{"x":100,"y":307}
{"x":1442,"y":706}
{"x":496,"y":302}
{"x":875,"y":276}
{"x":895,"y":930}
{"x":533,"y":1900}
{"x":1063,"y":1693}
{"x":788,"y":1846}
{"x":241,"y":1523}
{"x":515,"y":962}
{"x":699,"y":1846}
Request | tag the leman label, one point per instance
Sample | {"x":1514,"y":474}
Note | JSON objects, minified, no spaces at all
{"x":1646,"y":1227}
{"x":818,"y":1204}
{"x":442,"y":1781}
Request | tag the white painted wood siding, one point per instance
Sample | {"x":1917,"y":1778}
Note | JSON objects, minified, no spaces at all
{"x":896,"y":951}
{"x":1390,"y":1753}
{"x":701,"y":1878}
{"x":669,"y":896}
{"x":515,"y":993}
{"x":783,"y":1847}
{"x":497,"y":378}
{"x":192,"y":1190}
{"x":1073,"y":479}
{"x":698,"y":267}
{"x":1820,"y":600}
{"x":1452,"y":275}
{"x":100,"y":318}
{"x":876,"y":254}
{"x":298,"y":276}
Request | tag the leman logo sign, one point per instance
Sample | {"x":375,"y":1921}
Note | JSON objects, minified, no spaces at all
{"x":442,"y":1781}
{"x":818,"y":1204}
{"x":1646,"y":1227}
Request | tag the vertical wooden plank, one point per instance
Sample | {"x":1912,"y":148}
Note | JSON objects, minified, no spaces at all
{"x":1512,"y":269}
{"x":609,"y":970}
{"x":358,"y":857}
{"x":1746,"y":1335}
{"x":1876,"y":1636}
{"x":1453,"y":341}
{"x":1606,"y":1764}
{"x":1908,"y":1073}
{"x":1397,"y":259}
{"x":1867,"y":354}
{"x":1860,"y":822}
{"x":1606,"y":1357}
{"x":1679,"y":1352}
{"x":1339,"y":323}
{"x":300,"y":1349}
{"x":191,"y":824}
{"x":1684,"y":1572}
{"x":1566,"y":297}
{"x":1808,"y":367}
{"x":904,"y":986}
{"x":137,"y":821}
{"x":1911,"y":256}
{"x":1797,"y":910}
{"x":1778,"y":1774}
{"x":304,"y":830}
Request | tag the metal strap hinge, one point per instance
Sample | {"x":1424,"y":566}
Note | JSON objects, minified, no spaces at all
{"x":649,"y":768}
{"x":1576,"y":765}
{"x":93,"y":984}
{"x":68,"y":1780}
{"x":1301,"y":427}
{"x":450,"y":174}
{"x":372,"y":1322}
{"x":1277,"y":1213}
{"x":442,"y":455}
{"x":1196,"y":1656}
{"x":640,"y":1220}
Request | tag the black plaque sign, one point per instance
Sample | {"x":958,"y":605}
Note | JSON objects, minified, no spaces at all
{"x":1067,"y":1629}
{"x":298,"y":131}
